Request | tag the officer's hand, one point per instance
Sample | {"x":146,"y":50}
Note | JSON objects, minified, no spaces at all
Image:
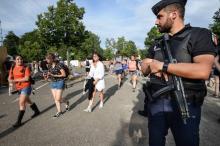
{"x":145,"y":66}
{"x":156,"y":66}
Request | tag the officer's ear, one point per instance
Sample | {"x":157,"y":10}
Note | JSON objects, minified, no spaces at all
{"x":173,"y":15}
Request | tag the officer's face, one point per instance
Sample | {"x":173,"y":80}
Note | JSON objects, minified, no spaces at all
{"x":164,"y":21}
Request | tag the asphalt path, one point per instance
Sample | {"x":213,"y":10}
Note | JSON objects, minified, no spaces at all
{"x":117,"y":124}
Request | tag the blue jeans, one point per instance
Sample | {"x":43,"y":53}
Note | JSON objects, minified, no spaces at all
{"x":184,"y":134}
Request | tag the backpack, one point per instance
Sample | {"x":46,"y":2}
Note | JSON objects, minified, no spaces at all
{"x":66,"y":69}
{"x":137,"y":63}
{"x":31,"y":80}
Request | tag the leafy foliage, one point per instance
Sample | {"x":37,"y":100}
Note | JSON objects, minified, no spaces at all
{"x":215,"y":27}
{"x":151,"y":36}
{"x":11,"y":42}
{"x":124,"y":47}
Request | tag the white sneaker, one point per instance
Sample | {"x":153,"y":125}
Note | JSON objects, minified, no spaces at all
{"x":83,"y":93}
{"x":101,"y":105}
{"x":88,"y":109}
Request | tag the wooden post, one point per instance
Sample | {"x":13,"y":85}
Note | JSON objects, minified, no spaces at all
{"x":3,"y":55}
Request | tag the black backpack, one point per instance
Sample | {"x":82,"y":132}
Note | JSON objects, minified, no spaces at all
{"x":137,"y":63}
{"x":87,"y":63}
{"x":66,"y":69}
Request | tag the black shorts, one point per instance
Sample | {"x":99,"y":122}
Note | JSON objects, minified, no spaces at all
{"x":120,"y":71}
{"x":87,"y":69}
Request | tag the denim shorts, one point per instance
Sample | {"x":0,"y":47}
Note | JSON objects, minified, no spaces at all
{"x":60,"y":84}
{"x":120,"y":71}
{"x":25,"y":91}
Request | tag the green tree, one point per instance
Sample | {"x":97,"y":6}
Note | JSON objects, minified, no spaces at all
{"x":143,"y":53}
{"x":11,"y":42}
{"x":129,"y":49}
{"x":91,"y":43}
{"x":151,"y":36}
{"x":32,"y":39}
{"x":30,"y":51}
{"x":126,"y":48}
{"x":110,"y":49}
{"x":62,"y":25}
{"x":108,"y":54}
{"x":215,"y":27}
{"x":120,"y":45}
{"x":111,"y":44}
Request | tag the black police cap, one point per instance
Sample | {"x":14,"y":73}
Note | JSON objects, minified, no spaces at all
{"x":163,"y":3}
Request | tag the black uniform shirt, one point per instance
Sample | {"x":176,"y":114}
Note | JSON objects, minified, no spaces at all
{"x":200,"y":43}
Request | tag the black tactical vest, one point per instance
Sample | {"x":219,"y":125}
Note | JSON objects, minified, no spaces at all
{"x":181,"y":51}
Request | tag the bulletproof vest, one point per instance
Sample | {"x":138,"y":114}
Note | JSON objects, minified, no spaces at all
{"x":180,"y":50}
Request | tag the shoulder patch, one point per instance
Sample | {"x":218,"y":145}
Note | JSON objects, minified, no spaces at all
{"x":156,"y":48}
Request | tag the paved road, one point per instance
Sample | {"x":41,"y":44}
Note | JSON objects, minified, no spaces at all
{"x":117,"y":124}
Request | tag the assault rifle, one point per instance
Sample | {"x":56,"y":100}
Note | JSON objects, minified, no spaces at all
{"x":176,"y":82}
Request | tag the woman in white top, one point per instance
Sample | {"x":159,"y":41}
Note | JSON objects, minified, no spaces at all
{"x":97,"y":72}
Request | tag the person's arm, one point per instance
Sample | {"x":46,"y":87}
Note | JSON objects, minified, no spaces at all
{"x":203,"y":53}
{"x":145,"y":66}
{"x":200,"y":69}
{"x":91,"y":72}
{"x":62,"y":71}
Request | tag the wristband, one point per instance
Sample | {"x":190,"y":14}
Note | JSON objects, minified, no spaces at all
{"x":165,"y":67}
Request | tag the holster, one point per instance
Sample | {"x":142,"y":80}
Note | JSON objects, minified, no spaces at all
{"x":195,"y":93}
{"x":157,"y":88}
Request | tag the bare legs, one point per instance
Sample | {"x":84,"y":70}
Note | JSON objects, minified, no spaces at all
{"x":101,"y":96}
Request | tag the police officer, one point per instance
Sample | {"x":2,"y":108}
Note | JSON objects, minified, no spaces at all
{"x":194,"y":51}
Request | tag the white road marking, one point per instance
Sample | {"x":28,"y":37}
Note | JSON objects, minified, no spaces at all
{"x":15,"y":100}
{"x":41,"y":86}
{"x":34,"y":90}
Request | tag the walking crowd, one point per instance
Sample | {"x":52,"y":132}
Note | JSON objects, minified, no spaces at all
{"x":21,"y":76}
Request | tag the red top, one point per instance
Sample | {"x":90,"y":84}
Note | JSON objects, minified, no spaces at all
{"x":20,"y":72}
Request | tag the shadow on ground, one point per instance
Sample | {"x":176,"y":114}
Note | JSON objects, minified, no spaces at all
{"x":133,"y":133}
{"x":107,"y":95}
{"x":11,"y":129}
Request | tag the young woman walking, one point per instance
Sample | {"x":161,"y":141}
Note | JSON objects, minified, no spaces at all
{"x":56,"y":74}
{"x":97,"y":73}
{"x":19,"y":75}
